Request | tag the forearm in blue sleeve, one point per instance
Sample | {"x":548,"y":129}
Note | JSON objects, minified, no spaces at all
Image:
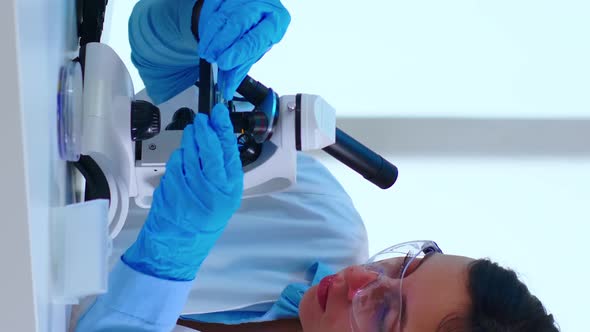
{"x":163,"y":47}
{"x":135,"y":302}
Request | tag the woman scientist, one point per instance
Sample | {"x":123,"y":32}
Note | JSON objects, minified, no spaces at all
{"x":408,"y":287}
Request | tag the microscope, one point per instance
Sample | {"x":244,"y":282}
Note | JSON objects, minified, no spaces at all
{"x":126,"y":140}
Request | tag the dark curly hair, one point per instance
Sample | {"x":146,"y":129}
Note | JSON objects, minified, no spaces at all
{"x":500,"y":302}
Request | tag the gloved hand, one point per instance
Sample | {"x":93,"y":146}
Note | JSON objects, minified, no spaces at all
{"x":235,"y":34}
{"x":198,"y":194}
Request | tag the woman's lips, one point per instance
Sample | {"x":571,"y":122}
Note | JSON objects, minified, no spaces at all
{"x":323,"y":290}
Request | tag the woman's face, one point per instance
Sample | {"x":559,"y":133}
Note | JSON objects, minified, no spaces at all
{"x":435,"y":289}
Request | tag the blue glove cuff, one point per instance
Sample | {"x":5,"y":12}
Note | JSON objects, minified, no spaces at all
{"x":171,"y":254}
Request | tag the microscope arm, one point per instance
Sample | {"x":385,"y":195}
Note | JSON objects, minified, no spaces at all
{"x":346,"y":149}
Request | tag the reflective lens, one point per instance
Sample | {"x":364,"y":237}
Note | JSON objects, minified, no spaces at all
{"x":378,"y":306}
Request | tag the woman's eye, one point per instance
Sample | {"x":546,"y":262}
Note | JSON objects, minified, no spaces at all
{"x":396,"y":267}
{"x":404,"y":265}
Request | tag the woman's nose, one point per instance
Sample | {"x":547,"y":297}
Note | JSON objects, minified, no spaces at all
{"x":358,"y":277}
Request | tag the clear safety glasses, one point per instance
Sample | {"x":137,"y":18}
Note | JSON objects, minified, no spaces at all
{"x":377,"y":307}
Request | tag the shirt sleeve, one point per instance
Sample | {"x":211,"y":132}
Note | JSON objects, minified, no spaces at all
{"x":163,"y":47}
{"x":136,"y":302}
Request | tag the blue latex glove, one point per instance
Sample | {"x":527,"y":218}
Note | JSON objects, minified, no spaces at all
{"x":235,"y":34}
{"x":198,"y":194}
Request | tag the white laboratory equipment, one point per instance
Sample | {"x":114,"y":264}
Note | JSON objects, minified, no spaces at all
{"x":126,"y":140}
{"x":53,"y":249}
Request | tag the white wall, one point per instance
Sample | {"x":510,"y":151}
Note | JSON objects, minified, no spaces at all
{"x":499,"y":58}
{"x":17,"y":301}
{"x":432,"y":58}
{"x":38,"y":37}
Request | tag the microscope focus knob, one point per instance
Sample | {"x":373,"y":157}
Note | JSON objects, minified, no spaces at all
{"x":145,"y":120}
{"x":249,"y":149}
{"x":181,"y":118}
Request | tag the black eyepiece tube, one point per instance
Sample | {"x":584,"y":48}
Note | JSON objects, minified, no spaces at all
{"x":253,"y":91}
{"x":363,"y":160}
